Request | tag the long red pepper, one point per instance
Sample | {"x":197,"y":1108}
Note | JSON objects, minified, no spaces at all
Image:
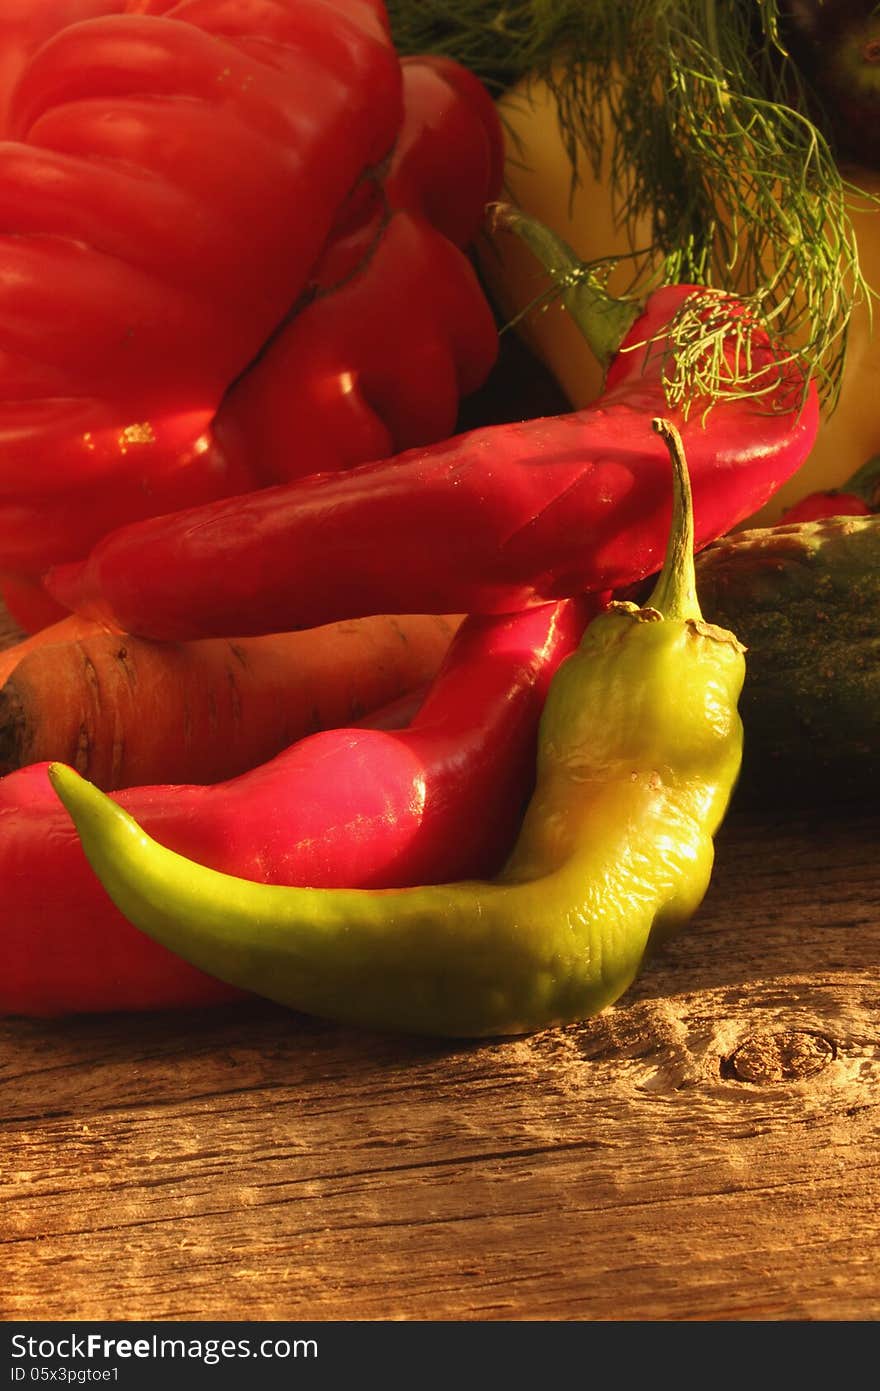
{"x":439,"y":800}
{"x":493,"y":520}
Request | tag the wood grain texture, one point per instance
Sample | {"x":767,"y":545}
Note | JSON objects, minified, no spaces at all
{"x":707,"y":1149}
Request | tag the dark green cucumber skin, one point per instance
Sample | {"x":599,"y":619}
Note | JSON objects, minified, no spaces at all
{"x":805,"y":601}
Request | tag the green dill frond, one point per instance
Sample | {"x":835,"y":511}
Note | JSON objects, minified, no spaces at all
{"x":708,"y":139}
{"x":499,"y":42}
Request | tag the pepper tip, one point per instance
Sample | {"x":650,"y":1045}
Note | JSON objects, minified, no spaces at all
{"x":61,"y":777}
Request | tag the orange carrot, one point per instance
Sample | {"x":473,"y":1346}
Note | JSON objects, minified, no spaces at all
{"x":68,"y":629}
{"x":125,"y":711}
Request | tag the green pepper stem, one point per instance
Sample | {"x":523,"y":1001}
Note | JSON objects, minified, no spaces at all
{"x":602,"y":319}
{"x":675,"y":593}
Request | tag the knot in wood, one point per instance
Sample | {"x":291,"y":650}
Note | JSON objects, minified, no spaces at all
{"x":790,"y":1055}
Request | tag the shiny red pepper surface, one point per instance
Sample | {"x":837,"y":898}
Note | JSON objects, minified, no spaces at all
{"x":858,"y":497}
{"x":361,"y":806}
{"x":497,"y":519}
{"x":136,"y":287}
{"x":398,"y":329}
{"x":830,"y":504}
{"x":171,"y":179}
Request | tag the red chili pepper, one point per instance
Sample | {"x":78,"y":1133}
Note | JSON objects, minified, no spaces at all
{"x":437,"y":801}
{"x":170,"y":181}
{"x":857,"y":498}
{"x":492,"y":520}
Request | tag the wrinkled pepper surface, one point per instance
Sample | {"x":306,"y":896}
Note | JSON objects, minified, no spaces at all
{"x":639,"y":746}
{"x":172,"y":178}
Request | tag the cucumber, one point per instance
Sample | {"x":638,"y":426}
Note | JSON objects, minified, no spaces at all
{"x":804,"y":598}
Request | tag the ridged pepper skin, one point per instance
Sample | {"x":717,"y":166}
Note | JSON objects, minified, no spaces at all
{"x":169,"y":173}
{"x":186,"y":187}
{"x":437,"y":800}
{"x":493,"y":520}
{"x":349,"y":381}
{"x":639,"y":747}
{"x":450,"y":144}
{"x":395,"y":328}
{"x":135,"y":289}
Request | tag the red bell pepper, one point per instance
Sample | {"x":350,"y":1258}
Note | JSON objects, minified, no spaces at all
{"x":450,"y":145}
{"x":141,"y":275}
{"x":436,"y":801}
{"x":493,"y":520}
{"x":396,"y":305}
{"x":170,"y":178}
{"x":345,"y":381}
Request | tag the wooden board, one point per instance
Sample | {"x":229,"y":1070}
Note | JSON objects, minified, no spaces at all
{"x":707,"y":1149}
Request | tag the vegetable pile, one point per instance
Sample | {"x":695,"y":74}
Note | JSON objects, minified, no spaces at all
{"x":325,"y":698}
{"x":615,"y":850}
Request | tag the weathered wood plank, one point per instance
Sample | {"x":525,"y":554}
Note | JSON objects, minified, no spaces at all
{"x":707,"y":1149}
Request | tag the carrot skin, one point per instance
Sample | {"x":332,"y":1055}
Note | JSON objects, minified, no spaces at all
{"x":68,"y":629}
{"x":127,"y":711}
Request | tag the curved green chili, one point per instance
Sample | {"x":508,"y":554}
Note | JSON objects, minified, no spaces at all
{"x":639,"y":748}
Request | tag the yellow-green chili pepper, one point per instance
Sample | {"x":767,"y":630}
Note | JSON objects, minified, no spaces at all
{"x":639,"y":748}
